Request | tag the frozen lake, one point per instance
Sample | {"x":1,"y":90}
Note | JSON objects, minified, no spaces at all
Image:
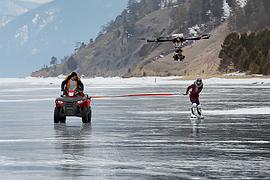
{"x":133,"y":138}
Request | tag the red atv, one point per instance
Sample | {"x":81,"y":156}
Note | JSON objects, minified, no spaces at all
{"x":73,"y":103}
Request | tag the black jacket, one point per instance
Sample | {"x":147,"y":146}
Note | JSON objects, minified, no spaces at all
{"x":64,"y":83}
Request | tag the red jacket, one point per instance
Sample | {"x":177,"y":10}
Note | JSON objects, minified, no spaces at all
{"x":194,"y":92}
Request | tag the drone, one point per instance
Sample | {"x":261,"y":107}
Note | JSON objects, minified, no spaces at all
{"x":177,"y":40}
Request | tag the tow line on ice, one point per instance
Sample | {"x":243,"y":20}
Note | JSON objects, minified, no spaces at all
{"x":137,"y":95}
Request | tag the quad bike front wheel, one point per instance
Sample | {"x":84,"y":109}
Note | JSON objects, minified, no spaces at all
{"x":57,"y":116}
{"x":90,"y":116}
{"x":86,"y":118}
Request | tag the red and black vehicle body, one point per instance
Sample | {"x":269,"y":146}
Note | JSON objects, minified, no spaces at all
{"x":73,"y":103}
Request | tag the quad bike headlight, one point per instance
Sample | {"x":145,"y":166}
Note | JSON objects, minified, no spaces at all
{"x":59,"y":102}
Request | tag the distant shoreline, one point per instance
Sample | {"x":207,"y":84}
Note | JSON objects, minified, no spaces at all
{"x":225,"y":76}
{"x":189,"y":77}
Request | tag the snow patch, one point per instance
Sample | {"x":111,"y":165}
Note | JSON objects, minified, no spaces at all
{"x":227,"y":10}
{"x":235,"y":74}
{"x":36,"y":18}
{"x":195,"y":30}
{"x":208,"y":12}
{"x":43,"y":20}
{"x":4,"y":20}
{"x":166,"y":3}
{"x":241,"y":3}
{"x":22,"y":35}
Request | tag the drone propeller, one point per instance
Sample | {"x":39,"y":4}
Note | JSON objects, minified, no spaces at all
{"x":148,"y":40}
{"x":205,"y":36}
{"x":173,"y":38}
{"x":160,"y":39}
{"x":142,"y":39}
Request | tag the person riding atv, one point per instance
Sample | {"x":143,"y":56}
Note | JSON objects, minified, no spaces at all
{"x":72,"y":82}
{"x":73,"y":102}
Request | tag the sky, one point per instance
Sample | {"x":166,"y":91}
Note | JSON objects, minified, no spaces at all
{"x":37,"y":1}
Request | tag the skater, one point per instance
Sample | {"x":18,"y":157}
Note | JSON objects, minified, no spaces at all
{"x":194,"y":91}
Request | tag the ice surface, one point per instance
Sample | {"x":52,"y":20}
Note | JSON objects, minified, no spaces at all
{"x":25,"y":100}
{"x":136,"y":137}
{"x":254,"y":111}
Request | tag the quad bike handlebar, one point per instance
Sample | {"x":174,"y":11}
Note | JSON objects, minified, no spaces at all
{"x":72,"y":93}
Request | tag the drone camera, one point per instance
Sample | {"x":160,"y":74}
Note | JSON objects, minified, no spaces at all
{"x":178,"y":57}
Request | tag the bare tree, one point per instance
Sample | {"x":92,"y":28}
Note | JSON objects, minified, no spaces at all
{"x":53,"y":61}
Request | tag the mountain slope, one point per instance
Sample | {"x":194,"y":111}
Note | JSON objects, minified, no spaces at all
{"x":52,"y":30}
{"x":9,"y":10}
{"x":117,"y":52}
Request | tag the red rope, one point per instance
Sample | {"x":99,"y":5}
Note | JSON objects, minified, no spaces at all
{"x":136,"y":95}
{"x":150,"y":94}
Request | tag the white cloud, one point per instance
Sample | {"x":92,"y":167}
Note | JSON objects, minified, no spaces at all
{"x":37,"y":1}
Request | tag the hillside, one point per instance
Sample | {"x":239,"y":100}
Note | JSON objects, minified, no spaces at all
{"x":9,"y":9}
{"x":118,"y":52}
{"x":246,"y":52}
{"x":247,"y":49}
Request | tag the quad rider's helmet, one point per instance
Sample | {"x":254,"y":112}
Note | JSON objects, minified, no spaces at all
{"x":198,"y":82}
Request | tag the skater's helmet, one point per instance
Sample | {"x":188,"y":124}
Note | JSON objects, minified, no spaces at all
{"x":198,"y":82}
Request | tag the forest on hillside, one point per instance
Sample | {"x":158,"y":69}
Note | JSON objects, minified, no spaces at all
{"x":246,"y":52}
{"x":248,"y":48}
{"x":184,"y":14}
